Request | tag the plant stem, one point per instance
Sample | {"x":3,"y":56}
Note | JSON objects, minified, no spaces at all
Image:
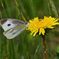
{"x":45,"y":54}
{"x":51,"y":2}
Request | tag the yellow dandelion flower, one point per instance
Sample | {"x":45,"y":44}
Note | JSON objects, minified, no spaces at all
{"x":39,"y":25}
{"x":50,"y":22}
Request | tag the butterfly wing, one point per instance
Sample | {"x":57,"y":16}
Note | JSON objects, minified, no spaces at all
{"x":15,"y":31}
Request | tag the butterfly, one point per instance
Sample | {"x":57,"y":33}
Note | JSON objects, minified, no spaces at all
{"x":12,"y":27}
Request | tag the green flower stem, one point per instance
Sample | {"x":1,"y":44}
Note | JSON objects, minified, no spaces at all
{"x":45,"y":54}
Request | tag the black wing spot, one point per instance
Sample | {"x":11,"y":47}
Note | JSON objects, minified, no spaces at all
{"x":8,"y":24}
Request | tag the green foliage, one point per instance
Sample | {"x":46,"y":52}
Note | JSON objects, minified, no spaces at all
{"x":26,"y":46}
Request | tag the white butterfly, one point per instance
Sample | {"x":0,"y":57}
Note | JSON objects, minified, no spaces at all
{"x":12,"y":27}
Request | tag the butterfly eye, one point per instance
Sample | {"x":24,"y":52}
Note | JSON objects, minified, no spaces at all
{"x":8,"y":24}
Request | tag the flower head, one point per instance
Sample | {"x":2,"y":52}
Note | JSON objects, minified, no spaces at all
{"x":39,"y":25}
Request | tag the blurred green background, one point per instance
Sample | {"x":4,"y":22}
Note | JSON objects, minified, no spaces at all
{"x":26,"y":46}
